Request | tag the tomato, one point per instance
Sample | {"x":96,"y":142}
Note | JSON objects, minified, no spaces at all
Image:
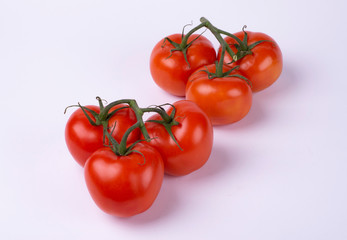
{"x":225,"y":100}
{"x":124,"y":185}
{"x":263,"y":66}
{"x":194,"y":134}
{"x":171,"y":73}
{"x":82,"y":138}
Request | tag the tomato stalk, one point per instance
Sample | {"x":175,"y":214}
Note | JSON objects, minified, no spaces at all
{"x":99,"y":118}
{"x":217,"y":33}
{"x":185,"y":37}
{"x":122,"y":147}
{"x":105,"y":111}
{"x":184,"y":45}
{"x":168,"y":121}
{"x":242,"y":47}
{"x":224,"y":48}
{"x":105,"y":114}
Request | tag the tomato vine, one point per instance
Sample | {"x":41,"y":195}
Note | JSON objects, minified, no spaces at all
{"x":101,"y":119}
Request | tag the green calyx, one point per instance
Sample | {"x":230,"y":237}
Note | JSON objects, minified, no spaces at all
{"x":121,"y":148}
{"x":218,"y":35}
{"x":168,"y":122}
{"x":99,"y":118}
{"x":229,"y":73}
{"x":184,"y":45}
{"x":242,"y":47}
{"x":168,"y":127}
{"x":106,"y":112}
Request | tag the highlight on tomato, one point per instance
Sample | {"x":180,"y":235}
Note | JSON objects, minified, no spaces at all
{"x":188,"y":144}
{"x":176,"y":57}
{"x":259,"y":57}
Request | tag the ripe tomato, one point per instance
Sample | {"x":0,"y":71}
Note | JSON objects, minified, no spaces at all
{"x":225,"y":100}
{"x":124,"y":185}
{"x":194,"y":134}
{"x":82,"y":138}
{"x":171,"y":73}
{"x":264,"y":66}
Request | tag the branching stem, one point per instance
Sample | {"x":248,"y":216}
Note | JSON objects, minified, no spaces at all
{"x":106,"y":113}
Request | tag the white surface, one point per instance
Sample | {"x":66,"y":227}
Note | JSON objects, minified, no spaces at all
{"x":280,"y":173}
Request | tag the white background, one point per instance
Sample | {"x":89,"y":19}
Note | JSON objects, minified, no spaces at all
{"x":278,"y":174}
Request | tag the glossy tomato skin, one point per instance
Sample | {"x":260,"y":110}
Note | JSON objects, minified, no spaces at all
{"x":194,"y":134}
{"x":264,"y":66}
{"x":82,"y":138}
{"x":124,"y":186}
{"x":171,"y":74}
{"x":225,"y":100}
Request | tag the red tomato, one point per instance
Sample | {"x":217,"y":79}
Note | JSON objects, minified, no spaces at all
{"x":225,"y":100}
{"x":194,"y":134}
{"x":171,"y":74}
{"x":124,"y":185}
{"x":264,"y":66}
{"x":82,"y":138}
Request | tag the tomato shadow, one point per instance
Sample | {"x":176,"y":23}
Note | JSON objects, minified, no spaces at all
{"x":255,"y":116}
{"x":286,"y":84}
{"x":168,"y":203}
{"x":222,"y":161}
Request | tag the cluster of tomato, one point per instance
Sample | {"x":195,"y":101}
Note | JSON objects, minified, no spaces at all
{"x":125,"y":158}
{"x":221,"y":84}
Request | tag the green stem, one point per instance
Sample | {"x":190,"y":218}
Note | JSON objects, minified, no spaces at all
{"x":103,"y":117}
{"x":219,"y":65}
{"x":242,"y":45}
{"x":139,"y":116}
{"x":225,"y":47}
{"x":101,"y":105}
{"x":214,"y":31}
{"x":184,"y":45}
{"x":104,"y":112}
{"x":122,"y":150}
{"x":243,"y":48}
{"x":138,"y":112}
{"x":162,"y":113}
{"x":186,"y":36}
